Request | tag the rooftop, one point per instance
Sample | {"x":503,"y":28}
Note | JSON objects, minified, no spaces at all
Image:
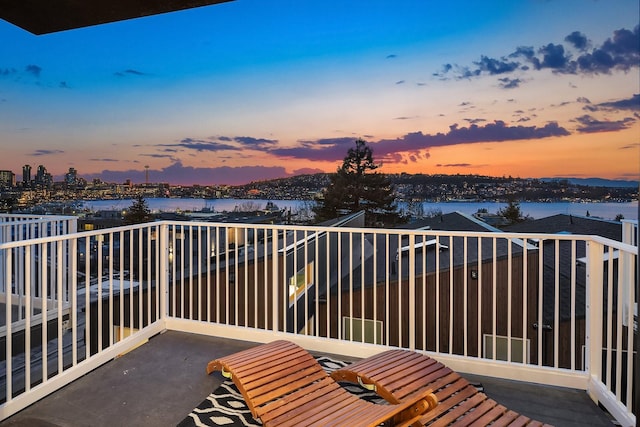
{"x":160,"y":382}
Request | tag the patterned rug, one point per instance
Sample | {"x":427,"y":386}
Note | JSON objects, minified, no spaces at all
{"x":226,"y":407}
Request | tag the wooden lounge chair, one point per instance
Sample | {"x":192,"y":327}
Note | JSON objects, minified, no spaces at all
{"x":397,"y":375}
{"x":283,"y":385}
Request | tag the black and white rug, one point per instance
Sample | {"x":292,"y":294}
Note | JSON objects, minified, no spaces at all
{"x":226,"y":407}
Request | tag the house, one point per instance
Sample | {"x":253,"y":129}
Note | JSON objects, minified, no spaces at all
{"x":425,"y":273}
{"x":566,"y":280}
{"x":564,"y":295}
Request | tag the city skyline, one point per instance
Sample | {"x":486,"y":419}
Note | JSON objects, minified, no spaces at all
{"x":251,"y":90}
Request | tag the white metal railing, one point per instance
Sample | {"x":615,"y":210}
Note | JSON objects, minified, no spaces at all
{"x":553,"y":309}
{"x":19,"y":227}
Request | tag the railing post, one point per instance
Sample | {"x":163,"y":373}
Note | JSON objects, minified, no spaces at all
{"x":594,"y":313}
{"x":73,"y":225}
{"x":163,"y":291}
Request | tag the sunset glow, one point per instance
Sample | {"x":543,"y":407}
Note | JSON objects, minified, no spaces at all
{"x":260,"y":89}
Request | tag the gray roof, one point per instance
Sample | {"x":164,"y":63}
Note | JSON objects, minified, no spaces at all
{"x":453,"y":221}
{"x":567,"y":266}
{"x":574,"y":224}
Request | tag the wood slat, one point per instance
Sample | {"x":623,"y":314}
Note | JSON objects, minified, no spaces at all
{"x":489,"y":416}
{"x":277,"y":407}
{"x":478,"y":411}
{"x":286,"y":386}
{"x":316,"y":407}
{"x":448,"y":398}
{"x":457,"y":408}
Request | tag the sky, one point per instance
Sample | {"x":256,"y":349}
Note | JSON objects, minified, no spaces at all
{"x":260,"y":89}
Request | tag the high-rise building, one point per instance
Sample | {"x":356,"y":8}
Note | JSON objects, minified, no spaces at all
{"x":7,"y":179}
{"x":71,"y":178}
{"x":26,"y":174}
{"x":43,"y":178}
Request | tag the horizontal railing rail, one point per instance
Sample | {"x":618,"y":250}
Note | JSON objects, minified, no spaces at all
{"x":553,"y":309}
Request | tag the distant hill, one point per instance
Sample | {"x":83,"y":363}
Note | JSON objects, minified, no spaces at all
{"x":454,"y":187}
{"x":595,"y":182}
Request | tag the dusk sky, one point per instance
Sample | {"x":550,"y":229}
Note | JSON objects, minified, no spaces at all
{"x":260,"y":89}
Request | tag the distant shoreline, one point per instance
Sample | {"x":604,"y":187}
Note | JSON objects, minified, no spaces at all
{"x":606,"y":210}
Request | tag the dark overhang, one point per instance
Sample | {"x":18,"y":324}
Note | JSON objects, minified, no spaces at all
{"x":48,"y":16}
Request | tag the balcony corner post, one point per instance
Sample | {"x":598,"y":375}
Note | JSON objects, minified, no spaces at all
{"x":594,"y":313}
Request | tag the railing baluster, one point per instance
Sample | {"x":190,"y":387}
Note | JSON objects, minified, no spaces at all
{"x":350,"y":272}
{"x":199,"y":271}
{"x":255,"y":281}
{"x":44,"y":253}
{"x":275,"y":281}
{"x":134,"y":282}
{"x":339,"y":284}
{"x":293,"y":289}
{"x":629,"y":299}
{"x":451,"y":296}
{"x":437,"y":293}
{"x":609,"y":328}
{"x":556,"y":310}
{"x":8,"y":257}
{"x":480,"y":297}
{"x":111,"y":302}
{"x":59,"y":296}
{"x":363,"y":272}
{"x":540,"y":318}
{"x":509,"y":242}
{"x":574,"y":351}
{"x":387,"y":285}
{"x":412,"y":293}
{"x":328,"y":284}
{"x":217,"y":281}
{"x":465,"y":298}
{"x":316,"y":281}
{"x":87,"y":298}
{"x":494,"y":303}
{"x":618,"y":325}
{"x":306,"y":281}
{"x":189,"y":304}
{"x":121,"y":284}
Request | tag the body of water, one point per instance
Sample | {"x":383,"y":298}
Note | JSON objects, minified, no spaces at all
{"x":533,"y":209}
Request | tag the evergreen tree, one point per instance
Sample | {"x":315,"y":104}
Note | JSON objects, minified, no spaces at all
{"x":138,"y":212}
{"x":355,"y":187}
{"x":512,"y":213}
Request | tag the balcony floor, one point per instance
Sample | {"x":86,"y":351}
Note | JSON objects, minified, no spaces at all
{"x":160,"y":382}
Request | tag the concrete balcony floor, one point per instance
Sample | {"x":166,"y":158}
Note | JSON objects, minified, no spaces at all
{"x":159,"y":383}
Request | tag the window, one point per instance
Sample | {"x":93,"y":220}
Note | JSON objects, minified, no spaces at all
{"x":300,"y":282}
{"x":372,"y":330}
{"x":517,"y":348}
